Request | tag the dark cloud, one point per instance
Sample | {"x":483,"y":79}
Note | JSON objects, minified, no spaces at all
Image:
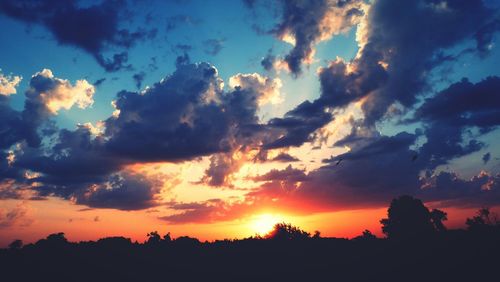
{"x":394,"y":64}
{"x":213,"y":46}
{"x":410,"y":48}
{"x":284,"y":157}
{"x":486,"y":158}
{"x":186,"y":115}
{"x":99,"y":82}
{"x":94,"y":28}
{"x":182,"y":60}
{"x":124,"y":191}
{"x":452,"y":112}
{"x":298,"y":125}
{"x":268,"y":61}
{"x":465,"y":104}
{"x":173,"y":119}
{"x":138,"y":78}
{"x":289,"y":174}
{"x":309,"y":22}
{"x":449,"y":189}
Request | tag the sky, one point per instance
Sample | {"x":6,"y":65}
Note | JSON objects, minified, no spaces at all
{"x":219,"y":119}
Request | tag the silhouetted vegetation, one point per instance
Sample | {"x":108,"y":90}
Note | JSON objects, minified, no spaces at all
{"x":408,"y":218}
{"x":418,"y":247}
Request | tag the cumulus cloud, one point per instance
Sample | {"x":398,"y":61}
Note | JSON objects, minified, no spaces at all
{"x":55,"y":93}
{"x":184,"y":116}
{"x":8,"y":84}
{"x":267,"y":89}
{"x":178,"y":118}
{"x":306,"y":23}
{"x":45,"y":96}
{"x":387,"y":70}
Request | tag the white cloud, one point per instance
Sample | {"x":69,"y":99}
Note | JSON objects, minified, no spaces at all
{"x":268,"y":89}
{"x":62,"y":94}
{"x":8,"y":84}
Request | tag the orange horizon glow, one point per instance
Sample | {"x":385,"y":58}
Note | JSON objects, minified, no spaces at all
{"x":81,"y":224}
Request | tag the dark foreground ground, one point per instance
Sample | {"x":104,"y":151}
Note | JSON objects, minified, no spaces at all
{"x":451,"y":256}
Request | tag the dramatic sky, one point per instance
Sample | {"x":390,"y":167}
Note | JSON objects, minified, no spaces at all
{"x":217,"y":119}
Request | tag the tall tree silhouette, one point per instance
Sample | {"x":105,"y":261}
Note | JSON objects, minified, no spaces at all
{"x":409,"y":218}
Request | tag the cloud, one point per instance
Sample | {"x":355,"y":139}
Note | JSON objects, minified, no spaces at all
{"x":124,"y":191}
{"x":55,"y":93}
{"x":171,"y":121}
{"x":306,"y":23}
{"x":452,"y":111}
{"x":8,"y":84}
{"x":213,"y":210}
{"x":93,"y":28}
{"x":268,"y":61}
{"x":45,"y":96}
{"x":391,"y":36}
{"x":222,"y":166}
{"x":387,"y":71}
{"x":268,"y":89}
{"x":188,"y":115}
{"x":298,"y":125}
{"x":449,"y":189}
{"x":138,"y":78}
{"x":17,"y":216}
{"x":486,"y":158}
{"x":99,"y":82}
{"x":213,"y":46}
{"x":284,"y":157}
{"x":464,"y":104}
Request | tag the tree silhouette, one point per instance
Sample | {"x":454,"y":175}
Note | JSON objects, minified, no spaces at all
{"x":154,"y":238}
{"x":286,"y":231}
{"x":367,"y":235}
{"x":409,"y":218}
{"x":437,"y":218}
{"x":484,"y":219}
{"x":16,"y":245}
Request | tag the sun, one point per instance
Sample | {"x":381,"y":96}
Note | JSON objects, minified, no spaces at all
{"x":264,"y":223}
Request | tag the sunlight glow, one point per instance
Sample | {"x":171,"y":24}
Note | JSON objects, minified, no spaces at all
{"x":264,"y":223}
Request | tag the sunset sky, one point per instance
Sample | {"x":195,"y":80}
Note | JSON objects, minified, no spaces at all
{"x":218,"y":119}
